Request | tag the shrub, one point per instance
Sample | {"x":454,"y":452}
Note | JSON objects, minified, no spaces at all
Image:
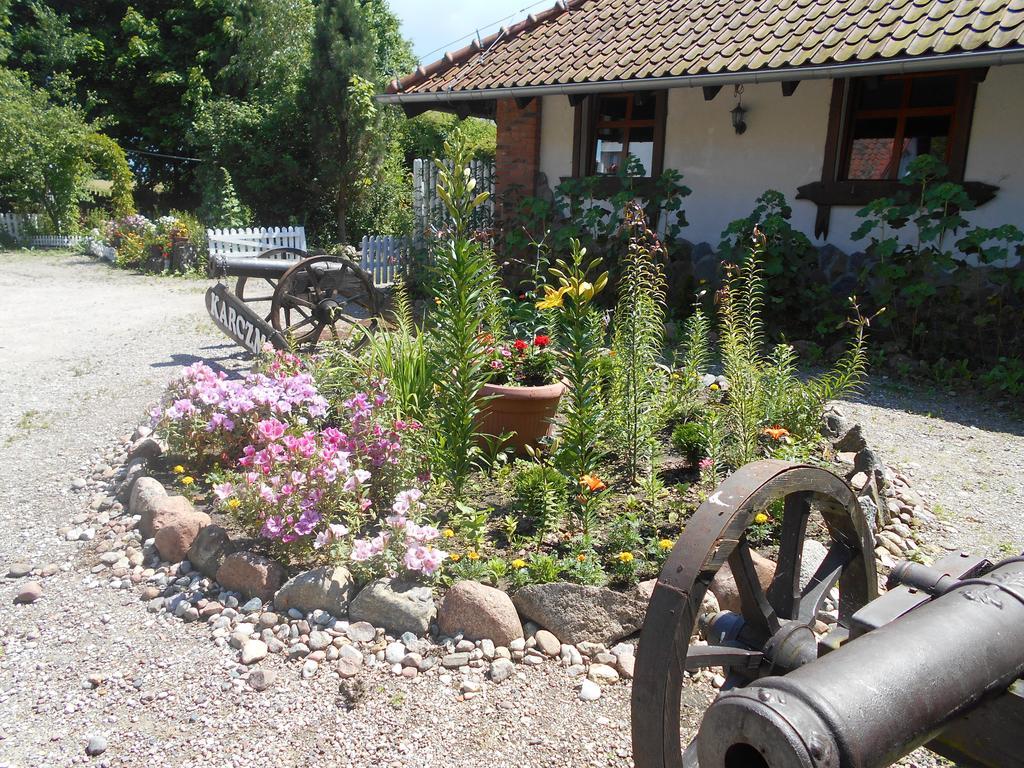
{"x":539,"y":495}
{"x":688,"y":439}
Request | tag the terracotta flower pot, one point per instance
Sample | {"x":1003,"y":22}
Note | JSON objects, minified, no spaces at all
{"x":527,"y":411}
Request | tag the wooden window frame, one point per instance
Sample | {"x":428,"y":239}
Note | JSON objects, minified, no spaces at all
{"x":835,"y":190}
{"x":586,"y":123}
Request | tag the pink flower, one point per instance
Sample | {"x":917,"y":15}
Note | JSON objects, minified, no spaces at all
{"x":223,"y":490}
{"x":362,"y":551}
{"x":705,"y":464}
{"x":270,"y":429}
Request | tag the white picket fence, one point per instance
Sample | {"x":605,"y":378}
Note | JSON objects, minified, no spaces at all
{"x":54,"y":241}
{"x":15,"y":224}
{"x":428,"y":210}
{"x":19,"y":225}
{"x":253,"y":242}
{"x":383,"y":256}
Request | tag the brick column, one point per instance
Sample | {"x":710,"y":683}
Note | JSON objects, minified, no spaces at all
{"x":517,"y":154}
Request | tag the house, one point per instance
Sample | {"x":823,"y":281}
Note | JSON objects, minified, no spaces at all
{"x":823,"y":100}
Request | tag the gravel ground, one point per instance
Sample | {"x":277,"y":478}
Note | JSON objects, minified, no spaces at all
{"x":84,"y":349}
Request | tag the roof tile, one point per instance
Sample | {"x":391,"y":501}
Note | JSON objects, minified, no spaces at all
{"x":593,"y":40}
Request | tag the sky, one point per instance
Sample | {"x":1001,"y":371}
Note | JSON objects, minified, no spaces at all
{"x":437,"y":24}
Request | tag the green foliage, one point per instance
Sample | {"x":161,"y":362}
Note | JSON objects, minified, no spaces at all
{"x":639,"y":323}
{"x":466,"y":279}
{"x":592,"y":209}
{"x":1006,"y":377}
{"x":109,"y":159}
{"x":917,"y":277}
{"x":798,"y":302}
{"x":220,"y":206}
{"x":44,"y":153}
{"x":688,"y":439}
{"x":426,"y":134}
{"x":684,"y":398}
{"x":579,"y":334}
{"x":539,"y":495}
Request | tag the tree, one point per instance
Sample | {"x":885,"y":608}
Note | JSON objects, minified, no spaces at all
{"x":339,"y":100}
{"x":44,"y":152}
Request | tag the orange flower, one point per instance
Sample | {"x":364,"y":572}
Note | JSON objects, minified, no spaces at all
{"x":776,"y":432}
{"x":593,"y":483}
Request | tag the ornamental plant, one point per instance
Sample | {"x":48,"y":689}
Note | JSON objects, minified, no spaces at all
{"x":400,"y":547}
{"x":209,"y":418}
{"x":579,"y":333}
{"x":521,"y":362}
{"x":639,"y":324}
{"x":465,"y":287}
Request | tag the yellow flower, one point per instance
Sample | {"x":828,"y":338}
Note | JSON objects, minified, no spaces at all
{"x":665,"y":544}
{"x":455,"y":557}
{"x":714,"y":387}
{"x":518,"y":563}
{"x":187,"y":480}
{"x":473,"y":554}
{"x":625,"y":557}
{"x":234,"y":503}
{"x":447,"y":533}
{"x":760,"y":517}
{"x":581,"y":558}
{"x":553,"y":297}
{"x":178,"y":469}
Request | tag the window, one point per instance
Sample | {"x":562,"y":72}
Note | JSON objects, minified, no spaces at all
{"x":878,"y":125}
{"x":613,"y":127}
{"x":892,"y":120}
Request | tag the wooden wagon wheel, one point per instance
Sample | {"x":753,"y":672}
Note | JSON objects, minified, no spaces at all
{"x":774,"y":632}
{"x":319,"y":293}
{"x":259,"y":296}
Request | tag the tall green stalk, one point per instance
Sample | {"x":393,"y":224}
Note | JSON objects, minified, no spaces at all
{"x":639,"y":320}
{"x":464,"y":289}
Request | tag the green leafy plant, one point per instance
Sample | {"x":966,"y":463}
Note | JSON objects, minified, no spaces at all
{"x":639,"y":323}
{"x":579,"y":332}
{"x":1006,"y":377}
{"x":688,"y":439}
{"x":539,"y":495}
{"x":465,"y":283}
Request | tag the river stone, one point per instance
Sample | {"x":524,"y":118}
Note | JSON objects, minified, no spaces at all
{"x":723,"y":586}
{"x":145,"y":448}
{"x":395,"y":605}
{"x":326,"y":588}
{"x":177,"y":529}
{"x":29,"y":593}
{"x":209,"y":549}
{"x":479,"y":612}
{"x":577,"y":613}
{"x":145,"y":495}
{"x":251,"y":574}
{"x":135,"y":471}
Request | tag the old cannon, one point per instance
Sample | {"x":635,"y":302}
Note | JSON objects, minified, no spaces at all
{"x":286,"y":296}
{"x":936,"y":661}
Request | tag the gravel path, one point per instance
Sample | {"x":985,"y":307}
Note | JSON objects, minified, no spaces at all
{"x":84,"y":349}
{"x":964,"y":458}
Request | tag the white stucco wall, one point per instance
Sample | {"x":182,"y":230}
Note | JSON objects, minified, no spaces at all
{"x":784,"y":146}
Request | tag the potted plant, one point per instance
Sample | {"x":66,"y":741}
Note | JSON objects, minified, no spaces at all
{"x":522,"y":394}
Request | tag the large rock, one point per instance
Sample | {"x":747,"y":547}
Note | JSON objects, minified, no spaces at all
{"x":146,"y":494}
{"x":162,"y":511}
{"x":251,"y":574}
{"x":145,"y":448}
{"x":177,"y":530}
{"x":397,"y":606}
{"x":577,"y":613}
{"x":723,"y":586}
{"x":850,"y":441}
{"x":322,"y":589}
{"x":479,"y":612}
{"x":135,"y":470}
{"x":209,"y":549}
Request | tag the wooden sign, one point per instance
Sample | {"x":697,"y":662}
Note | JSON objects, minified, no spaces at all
{"x":238,"y":321}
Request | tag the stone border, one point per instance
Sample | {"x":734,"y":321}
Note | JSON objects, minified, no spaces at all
{"x":475,"y":633}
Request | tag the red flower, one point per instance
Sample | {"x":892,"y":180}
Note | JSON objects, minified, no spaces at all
{"x":541,"y":340}
{"x":520,"y":345}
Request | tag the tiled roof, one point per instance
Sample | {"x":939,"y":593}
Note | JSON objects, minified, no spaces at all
{"x":599,"y":40}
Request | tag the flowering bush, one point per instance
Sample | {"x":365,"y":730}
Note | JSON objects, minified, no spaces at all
{"x":520,"y":363}
{"x":402,"y":546}
{"x":210,"y":418}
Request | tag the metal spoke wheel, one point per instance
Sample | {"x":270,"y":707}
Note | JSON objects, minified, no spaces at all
{"x":258,"y":292}
{"x":774,"y":631}
{"x":323,"y":296}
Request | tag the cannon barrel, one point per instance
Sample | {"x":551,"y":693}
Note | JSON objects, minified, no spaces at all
{"x":884,"y":694}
